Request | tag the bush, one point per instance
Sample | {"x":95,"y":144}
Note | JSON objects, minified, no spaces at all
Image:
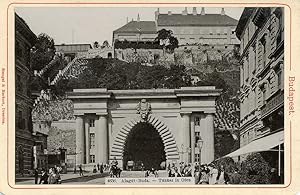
{"x":228,"y":164}
{"x":255,"y":170}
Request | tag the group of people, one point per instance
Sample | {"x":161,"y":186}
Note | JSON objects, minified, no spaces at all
{"x":204,"y":174}
{"x":99,"y":168}
{"x":151,"y":173}
{"x":50,"y":177}
{"x":183,"y":170}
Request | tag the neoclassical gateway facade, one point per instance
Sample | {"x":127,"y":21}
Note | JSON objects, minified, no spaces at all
{"x":149,"y":126}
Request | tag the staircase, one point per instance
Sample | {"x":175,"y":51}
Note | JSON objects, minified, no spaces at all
{"x":73,"y":69}
{"x":56,"y":58}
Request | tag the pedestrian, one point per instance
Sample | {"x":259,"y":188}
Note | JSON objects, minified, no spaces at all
{"x":222,"y":177}
{"x":98,"y":166}
{"x":275,"y":179}
{"x":44,"y":177}
{"x":235,"y":177}
{"x":51,"y":177}
{"x":177,"y":173}
{"x":204,"y":177}
{"x":80,"y":170}
{"x":101,"y":168}
{"x":213,"y":174}
{"x":36,"y":175}
{"x":95,"y":169}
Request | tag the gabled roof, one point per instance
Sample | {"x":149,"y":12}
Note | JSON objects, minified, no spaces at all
{"x":195,"y":20}
{"x":138,"y":27}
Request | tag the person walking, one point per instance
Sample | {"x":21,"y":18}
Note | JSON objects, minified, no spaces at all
{"x":222,"y":177}
{"x":51,"y":177}
{"x":204,"y":177}
{"x":80,"y":170}
{"x":36,"y":175}
{"x":44,"y":177}
{"x":101,"y":168}
{"x":98,"y":166}
{"x":213,"y":174}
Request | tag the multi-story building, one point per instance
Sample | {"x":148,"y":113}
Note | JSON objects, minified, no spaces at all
{"x":188,"y":28}
{"x":24,"y":39}
{"x":202,"y":28}
{"x":261,"y":31}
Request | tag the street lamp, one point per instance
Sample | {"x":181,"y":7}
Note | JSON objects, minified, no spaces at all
{"x":199,"y":145}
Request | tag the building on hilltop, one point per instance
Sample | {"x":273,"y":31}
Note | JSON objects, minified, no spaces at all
{"x":199,"y":28}
{"x":71,"y":50}
{"x":140,"y":31}
{"x":188,"y":28}
{"x":261,"y":31}
{"x":29,"y":144}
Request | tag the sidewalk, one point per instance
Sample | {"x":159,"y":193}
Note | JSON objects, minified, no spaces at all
{"x":66,"y":178}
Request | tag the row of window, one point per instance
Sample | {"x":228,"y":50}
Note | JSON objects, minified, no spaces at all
{"x":260,"y":94}
{"x":204,"y":31}
{"x":258,"y":52}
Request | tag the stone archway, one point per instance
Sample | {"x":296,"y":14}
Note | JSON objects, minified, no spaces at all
{"x":117,"y":148}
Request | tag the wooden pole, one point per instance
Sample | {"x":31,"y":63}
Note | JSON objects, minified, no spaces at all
{"x":279,"y":159}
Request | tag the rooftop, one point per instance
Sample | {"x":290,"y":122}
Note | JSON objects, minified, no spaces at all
{"x":195,"y":20}
{"x":138,"y":27}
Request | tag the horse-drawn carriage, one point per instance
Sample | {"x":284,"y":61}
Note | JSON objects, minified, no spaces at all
{"x":115,"y":171}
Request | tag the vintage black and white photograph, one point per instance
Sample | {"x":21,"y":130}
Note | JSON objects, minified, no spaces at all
{"x":140,"y":95}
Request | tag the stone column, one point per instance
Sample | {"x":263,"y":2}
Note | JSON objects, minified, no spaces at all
{"x":79,"y":140}
{"x":87,"y":141}
{"x":101,"y":140}
{"x":207,"y":134}
{"x":193,"y":139}
{"x":186,"y":121}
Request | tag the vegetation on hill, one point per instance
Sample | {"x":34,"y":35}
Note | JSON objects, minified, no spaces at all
{"x":42,"y":52}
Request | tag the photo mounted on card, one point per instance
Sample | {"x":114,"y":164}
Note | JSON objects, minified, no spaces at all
{"x":148,"y":95}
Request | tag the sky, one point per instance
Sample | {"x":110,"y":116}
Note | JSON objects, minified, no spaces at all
{"x":89,"y":24}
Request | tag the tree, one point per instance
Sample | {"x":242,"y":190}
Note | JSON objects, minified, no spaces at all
{"x":96,"y":45}
{"x":42,"y":52}
{"x":167,"y":40}
{"x":105,"y":44}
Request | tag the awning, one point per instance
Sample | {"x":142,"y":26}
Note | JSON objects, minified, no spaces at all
{"x":262,"y":144}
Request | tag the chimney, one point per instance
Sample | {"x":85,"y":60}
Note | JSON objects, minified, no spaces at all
{"x":223,"y":11}
{"x":184,"y":12}
{"x":202,"y":11}
{"x":126,"y":20}
{"x":169,"y":13}
{"x":138,"y":17}
{"x":194,"y":11}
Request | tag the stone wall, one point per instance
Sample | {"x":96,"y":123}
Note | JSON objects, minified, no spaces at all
{"x":62,"y":134}
{"x":187,"y":55}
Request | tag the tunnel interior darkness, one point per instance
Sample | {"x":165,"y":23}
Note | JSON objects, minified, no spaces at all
{"x":144,"y":145}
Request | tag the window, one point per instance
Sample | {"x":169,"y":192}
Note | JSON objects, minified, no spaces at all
{"x":197,"y":137}
{"x":264,"y":95}
{"x":18,"y":50}
{"x":279,"y":77}
{"x":92,"y":158}
{"x":197,"y":121}
{"x":92,"y":140}
{"x":92,"y":123}
{"x":20,"y":120}
{"x":264,"y":51}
